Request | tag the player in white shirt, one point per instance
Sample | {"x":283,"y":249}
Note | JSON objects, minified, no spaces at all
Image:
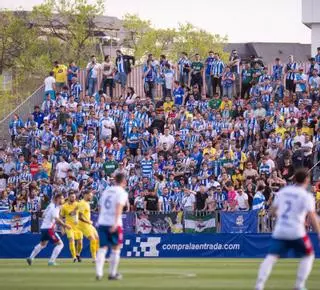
{"x":51,"y":216}
{"x":111,"y":204}
{"x":292,"y":206}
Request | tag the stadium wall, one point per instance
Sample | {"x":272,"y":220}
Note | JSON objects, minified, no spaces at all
{"x":159,"y":246}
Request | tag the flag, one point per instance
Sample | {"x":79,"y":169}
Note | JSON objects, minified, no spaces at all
{"x":15,"y":223}
{"x":159,"y":223}
{"x":200,"y":223}
{"x":239,"y":222}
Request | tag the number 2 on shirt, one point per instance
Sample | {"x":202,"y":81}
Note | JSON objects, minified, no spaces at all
{"x":287,"y":210}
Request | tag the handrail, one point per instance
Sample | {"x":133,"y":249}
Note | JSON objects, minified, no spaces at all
{"x":20,"y":105}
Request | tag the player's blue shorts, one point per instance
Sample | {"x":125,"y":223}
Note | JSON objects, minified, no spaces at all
{"x":301,"y":247}
{"x":108,"y":239}
{"x":49,"y":235}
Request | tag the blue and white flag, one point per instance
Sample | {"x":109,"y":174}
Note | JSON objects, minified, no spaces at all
{"x":239,"y":222}
{"x":15,"y":223}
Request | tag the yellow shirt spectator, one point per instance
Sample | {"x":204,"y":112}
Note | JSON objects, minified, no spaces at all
{"x":307,"y":130}
{"x":60,"y":73}
{"x":211,"y":151}
{"x":167,"y":106}
{"x":47,"y":166}
{"x":281,"y":131}
{"x":225,"y":103}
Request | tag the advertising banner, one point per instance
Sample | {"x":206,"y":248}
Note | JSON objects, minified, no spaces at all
{"x":159,"y":246}
{"x":239,"y":222}
{"x":159,"y":223}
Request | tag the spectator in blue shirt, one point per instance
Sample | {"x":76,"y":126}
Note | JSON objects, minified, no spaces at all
{"x":42,"y":174}
{"x":317,"y":56}
{"x":184,"y":65}
{"x":38,"y":116}
{"x":4,"y":202}
{"x":228,"y":79}
{"x":73,"y":71}
{"x":14,"y":125}
{"x":277,"y":70}
{"x":208,"y":68}
{"x":133,"y":141}
{"x":149,"y":75}
{"x":178,"y":94}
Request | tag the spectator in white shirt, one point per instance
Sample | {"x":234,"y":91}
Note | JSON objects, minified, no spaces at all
{"x":260,"y":112}
{"x":307,"y":146}
{"x":62,"y":168}
{"x":106,"y":126}
{"x":242,"y":200}
{"x":166,"y":139}
{"x":188,"y":200}
{"x":300,"y":80}
{"x":50,"y":85}
{"x":93,"y":70}
{"x":299,"y":137}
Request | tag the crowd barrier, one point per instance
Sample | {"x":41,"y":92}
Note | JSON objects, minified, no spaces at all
{"x":181,"y":222}
{"x":161,"y":223}
{"x":160,"y":246}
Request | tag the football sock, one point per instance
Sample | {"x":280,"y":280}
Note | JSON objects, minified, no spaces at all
{"x":72,"y":248}
{"x":265,"y":271}
{"x":114,"y":262}
{"x":304,"y":271}
{"x":97,"y":245}
{"x":37,"y":249}
{"x":101,"y":255}
{"x":56,"y":251}
{"x":79,"y":247}
{"x":93,"y":249}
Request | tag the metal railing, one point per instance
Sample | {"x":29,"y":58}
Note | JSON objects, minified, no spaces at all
{"x":23,"y":110}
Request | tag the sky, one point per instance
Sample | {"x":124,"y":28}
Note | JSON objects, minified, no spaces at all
{"x":240,"y":20}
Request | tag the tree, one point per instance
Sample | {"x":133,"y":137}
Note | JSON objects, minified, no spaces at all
{"x":17,"y":37}
{"x":192,"y":40}
{"x":137,"y":33}
{"x":70,"y":21}
{"x":142,"y":38}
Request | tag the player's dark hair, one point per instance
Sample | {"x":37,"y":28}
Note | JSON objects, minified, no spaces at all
{"x":71,"y":192}
{"x":118,"y":178}
{"x":86,"y":192}
{"x":301,"y":175}
{"x":57,"y":196}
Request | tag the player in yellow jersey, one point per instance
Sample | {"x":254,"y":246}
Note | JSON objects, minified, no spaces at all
{"x":69,"y":212}
{"x":85,"y":223}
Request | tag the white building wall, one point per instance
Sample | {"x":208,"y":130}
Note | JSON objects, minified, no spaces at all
{"x":311,"y":18}
{"x":315,"y":38}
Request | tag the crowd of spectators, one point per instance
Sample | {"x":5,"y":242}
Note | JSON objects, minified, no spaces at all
{"x":231,"y":148}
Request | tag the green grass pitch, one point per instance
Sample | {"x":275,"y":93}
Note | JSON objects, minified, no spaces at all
{"x":146,"y":274}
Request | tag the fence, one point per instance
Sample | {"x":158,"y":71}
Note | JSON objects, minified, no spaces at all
{"x":23,"y":110}
{"x":135,"y":80}
{"x":171,"y":239}
{"x":189,"y":222}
